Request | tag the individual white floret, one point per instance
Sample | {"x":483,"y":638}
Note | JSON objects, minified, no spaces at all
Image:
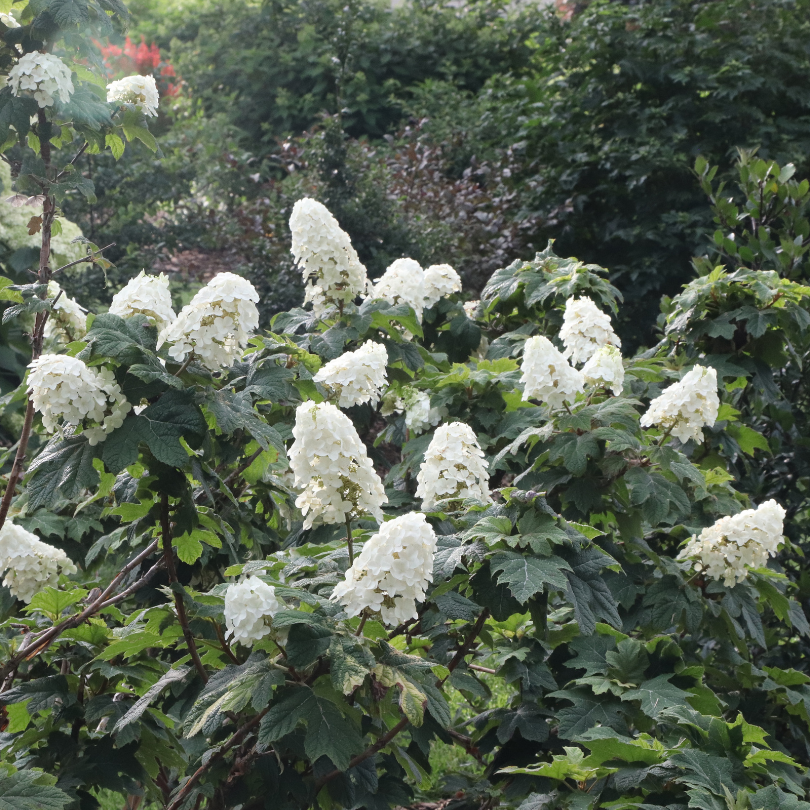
{"x":356,"y":377}
{"x":145,"y":295}
{"x":585,"y":328}
{"x":249,"y":609}
{"x":67,"y":321}
{"x":547,"y":375}
{"x":333,"y":273}
{"x":42,"y":76}
{"x":216,"y":325}
{"x":29,"y":564}
{"x":332,"y":468}
{"x":138,"y":90}
{"x":441,"y":280}
{"x":686,"y":407}
{"x":392,"y":572}
{"x":8,"y":20}
{"x":605,"y":367}
{"x":454,"y":467}
{"x":737,"y":543}
{"x":403,"y":283}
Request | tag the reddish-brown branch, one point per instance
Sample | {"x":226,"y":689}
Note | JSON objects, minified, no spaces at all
{"x":465,"y":647}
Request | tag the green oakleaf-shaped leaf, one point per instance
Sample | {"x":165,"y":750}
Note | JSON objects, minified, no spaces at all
{"x":656,"y":695}
{"x":525,"y":575}
{"x":235,"y":410}
{"x":64,"y":468}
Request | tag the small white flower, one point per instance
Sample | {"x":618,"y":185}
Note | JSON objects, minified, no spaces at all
{"x":8,"y":20}
{"x":472,"y":309}
{"x":392,"y":572}
{"x":419,"y":415}
{"x":249,"y":608}
{"x":42,"y":76}
{"x":145,"y":295}
{"x":454,"y":467}
{"x":441,"y":280}
{"x":402,"y":283}
{"x":356,"y":377}
{"x":67,"y":321}
{"x":547,"y":375}
{"x":686,"y":406}
{"x":138,"y":90}
{"x":585,"y":328}
{"x":605,"y":368}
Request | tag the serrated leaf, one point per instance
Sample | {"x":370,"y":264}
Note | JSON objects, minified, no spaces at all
{"x":350,"y":663}
{"x":526,"y":575}
{"x":28,"y":790}
{"x":64,"y":468}
{"x":172,"y":676}
{"x":233,"y":411}
{"x":656,"y":695}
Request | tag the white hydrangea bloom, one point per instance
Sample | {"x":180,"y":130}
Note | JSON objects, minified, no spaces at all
{"x":585,"y":328}
{"x":216,"y":325}
{"x":547,"y":375}
{"x":471,"y":308}
{"x":687,"y":406}
{"x":419,"y":416}
{"x":392,"y":572}
{"x":138,"y":90}
{"x":454,"y":467}
{"x":605,"y":367}
{"x":357,"y":376}
{"x":30,"y":564}
{"x":145,"y":295}
{"x":403,"y":283}
{"x":8,"y":20}
{"x":64,"y":388}
{"x":440,"y":280}
{"x":43,"y":76}
{"x":333,"y":273}
{"x":67,"y":321}
{"x":249,"y":608}
{"x":737,"y":543}
{"x":332,"y":467}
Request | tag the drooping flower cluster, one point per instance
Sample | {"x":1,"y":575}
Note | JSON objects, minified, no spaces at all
{"x":249,"y":608}
{"x":8,"y":20}
{"x":67,"y":321}
{"x":687,"y":406}
{"x":30,"y":565}
{"x":145,"y":295}
{"x":42,"y":76}
{"x":440,"y":280}
{"x":332,"y":468}
{"x":737,"y":543}
{"x":605,"y":367}
{"x":547,"y":375}
{"x":332,"y":271}
{"x":454,"y":467}
{"x":138,"y":90}
{"x":356,"y":377}
{"x":585,"y":328}
{"x":216,"y":325}
{"x":403,"y":283}
{"x":64,"y":388}
{"x":392,"y":572}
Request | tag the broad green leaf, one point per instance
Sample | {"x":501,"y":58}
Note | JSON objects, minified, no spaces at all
{"x":350,"y":663}
{"x":656,"y":695}
{"x":527,"y":575}
{"x":31,"y":790}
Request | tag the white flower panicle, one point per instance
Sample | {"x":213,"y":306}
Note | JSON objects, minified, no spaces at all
{"x":30,"y":564}
{"x":737,"y":543}
{"x":64,"y":388}
{"x":585,"y":328}
{"x":440,"y":280}
{"x":138,"y":90}
{"x":67,"y":321}
{"x":145,"y":295}
{"x":403,"y":283}
{"x":42,"y":76}
{"x":249,"y":608}
{"x":454,"y":467}
{"x":547,"y":375}
{"x":333,"y":273}
{"x":356,"y":377}
{"x":605,"y":367}
{"x":216,"y":325}
{"x":332,"y":468}
{"x":392,"y":572}
{"x":687,"y":406}
{"x":8,"y":20}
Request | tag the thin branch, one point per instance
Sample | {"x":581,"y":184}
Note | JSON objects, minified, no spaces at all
{"x":464,"y":649}
{"x":349,"y":540}
{"x":243,"y":466}
{"x":78,"y":155}
{"x":91,"y":257}
{"x":226,"y":648}
{"x":19,"y":461}
{"x":482,"y":669}
{"x":186,"y":364}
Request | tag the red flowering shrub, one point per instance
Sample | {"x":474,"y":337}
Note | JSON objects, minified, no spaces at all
{"x":143,"y":59}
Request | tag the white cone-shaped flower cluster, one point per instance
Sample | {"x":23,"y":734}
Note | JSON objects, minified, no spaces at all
{"x":403,"y":283}
{"x":687,"y":406}
{"x":392,"y":572}
{"x":30,"y":564}
{"x":454,"y":467}
{"x":8,"y":20}
{"x":547,"y":375}
{"x":440,"y":280}
{"x":64,"y":388}
{"x":605,"y":367}
{"x":216,"y":325}
{"x":356,"y":377}
{"x":67,"y":321}
{"x":585,"y":328}
{"x":249,"y":608}
{"x":332,"y":468}
{"x":145,"y":295}
{"x":43,"y":76}
{"x":331,"y":268}
{"x":736,"y":543}
{"x":138,"y":90}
